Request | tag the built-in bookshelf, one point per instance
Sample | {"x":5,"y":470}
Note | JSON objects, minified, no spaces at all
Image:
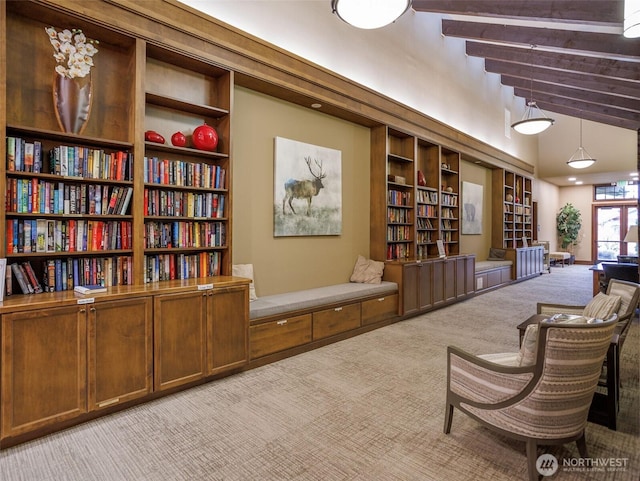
{"x":513,"y":199}
{"x":415,"y":188}
{"x":104,"y":206}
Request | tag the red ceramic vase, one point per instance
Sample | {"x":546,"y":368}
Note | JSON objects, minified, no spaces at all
{"x":205,"y":137}
{"x":179,"y":139}
{"x":153,"y":136}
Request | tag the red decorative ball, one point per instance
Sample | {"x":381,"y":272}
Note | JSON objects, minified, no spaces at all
{"x":205,"y":137}
{"x":179,"y":139}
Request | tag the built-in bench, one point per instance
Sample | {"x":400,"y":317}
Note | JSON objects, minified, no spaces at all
{"x":296,"y":321}
{"x":493,"y":274}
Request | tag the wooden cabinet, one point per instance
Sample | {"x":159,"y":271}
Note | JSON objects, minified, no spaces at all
{"x":44,"y":368}
{"x":279,"y":335}
{"x":375,"y":310}
{"x":512,"y":207}
{"x":60,"y":363}
{"x":527,"y":261}
{"x":329,"y":322}
{"x":179,"y":339}
{"x":227,"y":328}
{"x":120,"y":351}
{"x":431,"y":283}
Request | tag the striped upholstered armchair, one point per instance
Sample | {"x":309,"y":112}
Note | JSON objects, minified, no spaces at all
{"x":542,"y":394}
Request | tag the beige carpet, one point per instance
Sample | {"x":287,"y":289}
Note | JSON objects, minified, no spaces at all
{"x":366,"y":409}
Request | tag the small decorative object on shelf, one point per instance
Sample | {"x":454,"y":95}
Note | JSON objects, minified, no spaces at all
{"x":153,"y":136}
{"x":449,"y":189}
{"x":179,"y":139}
{"x":509,"y":198}
{"x":72,"y":86}
{"x":205,"y":137}
{"x":422,"y":181}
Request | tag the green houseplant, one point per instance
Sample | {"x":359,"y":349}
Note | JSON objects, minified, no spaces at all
{"x":568,"y":223}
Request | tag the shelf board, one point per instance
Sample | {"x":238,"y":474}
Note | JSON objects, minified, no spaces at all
{"x":398,"y":158}
{"x":109,"y":253}
{"x":69,"y":178}
{"x":177,"y":104}
{"x":23,"y":131}
{"x":184,"y":150}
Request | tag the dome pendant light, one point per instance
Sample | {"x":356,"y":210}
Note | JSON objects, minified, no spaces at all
{"x":581,"y":158}
{"x":631,"y":18}
{"x":369,"y":14}
{"x":534,"y":119}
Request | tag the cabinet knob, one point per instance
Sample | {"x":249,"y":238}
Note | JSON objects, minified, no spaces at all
{"x":92,"y":309}
{"x":282,"y":322}
{"x":338,"y":309}
{"x":380,"y":299}
{"x":83,"y":310}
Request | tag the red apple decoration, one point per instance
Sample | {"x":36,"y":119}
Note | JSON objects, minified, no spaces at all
{"x":205,"y":137}
{"x":153,"y":136}
{"x":179,"y":139}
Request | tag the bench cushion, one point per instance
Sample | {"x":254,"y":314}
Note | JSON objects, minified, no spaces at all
{"x":487,"y":265}
{"x":319,"y":296}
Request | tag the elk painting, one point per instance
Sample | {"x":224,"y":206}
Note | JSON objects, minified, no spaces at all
{"x":303,"y":189}
{"x":307,"y":189}
{"x":472,"y":208}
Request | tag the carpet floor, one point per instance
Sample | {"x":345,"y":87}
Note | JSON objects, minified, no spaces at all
{"x":365,"y":409}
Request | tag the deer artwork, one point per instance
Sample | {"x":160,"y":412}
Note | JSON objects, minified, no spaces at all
{"x":303,"y":189}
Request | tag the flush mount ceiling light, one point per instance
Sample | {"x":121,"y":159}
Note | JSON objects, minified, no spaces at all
{"x":534,"y":119}
{"x":369,"y":14}
{"x":632,"y":18}
{"x":581,"y":158}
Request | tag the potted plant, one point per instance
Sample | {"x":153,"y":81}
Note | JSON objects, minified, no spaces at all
{"x":568,"y":224}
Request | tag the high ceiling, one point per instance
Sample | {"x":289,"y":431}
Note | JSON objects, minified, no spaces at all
{"x":569,"y":56}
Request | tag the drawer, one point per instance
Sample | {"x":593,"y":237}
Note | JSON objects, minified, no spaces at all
{"x":379,"y":309}
{"x":334,"y":321}
{"x":279,"y":335}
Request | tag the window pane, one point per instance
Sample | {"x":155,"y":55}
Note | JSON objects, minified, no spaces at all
{"x":608,"y":234}
{"x":632,"y":219}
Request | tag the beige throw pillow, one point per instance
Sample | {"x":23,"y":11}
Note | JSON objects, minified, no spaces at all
{"x":246,"y":271}
{"x":602,"y":306}
{"x":367,"y":271}
{"x":527,"y":354}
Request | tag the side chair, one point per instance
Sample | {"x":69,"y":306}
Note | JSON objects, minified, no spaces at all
{"x":607,"y":398}
{"x":544,"y":397}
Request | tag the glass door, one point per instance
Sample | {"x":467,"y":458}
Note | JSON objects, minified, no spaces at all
{"x":612,"y":223}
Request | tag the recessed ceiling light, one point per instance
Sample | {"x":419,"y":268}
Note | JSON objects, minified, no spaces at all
{"x":316,"y":106}
{"x":579,"y":182}
{"x":571,"y":179}
{"x":633,"y":174}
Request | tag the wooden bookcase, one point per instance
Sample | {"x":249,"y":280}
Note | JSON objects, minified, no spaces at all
{"x":513,"y":209}
{"x":415,"y":187}
{"x":172,"y":216}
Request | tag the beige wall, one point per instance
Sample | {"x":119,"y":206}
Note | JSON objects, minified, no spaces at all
{"x":284,"y":264}
{"x":547,"y":197}
{"x":478,"y":244}
{"x":581,"y":197}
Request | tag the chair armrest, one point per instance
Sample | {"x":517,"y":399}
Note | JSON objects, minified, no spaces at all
{"x":479,"y":382}
{"x":559,"y":309}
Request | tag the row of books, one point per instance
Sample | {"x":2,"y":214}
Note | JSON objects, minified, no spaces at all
{"x":427,"y":210}
{"x":183,"y":204}
{"x":66,"y":274}
{"x":448,"y":213}
{"x":398,"y":233}
{"x":449,"y":199}
{"x":398,"y":251}
{"x":183,"y":173}
{"x":164,"y":267}
{"x":166,"y":235}
{"x":398,"y":216}
{"x":427,"y":197}
{"x":37,"y":196}
{"x":65,"y":160}
{"x":425,"y":237}
{"x":72,"y":235}
{"x":399,"y":197}
{"x":424,"y":223}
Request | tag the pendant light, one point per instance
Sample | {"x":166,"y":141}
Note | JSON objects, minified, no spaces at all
{"x":581,"y":158}
{"x":631,"y":18}
{"x":369,"y":14}
{"x":534,"y":119}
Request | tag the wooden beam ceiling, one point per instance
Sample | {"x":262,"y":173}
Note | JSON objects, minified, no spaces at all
{"x":561,"y":53}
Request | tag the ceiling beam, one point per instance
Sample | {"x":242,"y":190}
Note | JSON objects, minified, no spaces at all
{"x":596,"y":117}
{"x":580,"y":106}
{"x":563,"y":61}
{"x":597,"y":84}
{"x":593,"y":12}
{"x":525,"y":85}
{"x":602,"y":43}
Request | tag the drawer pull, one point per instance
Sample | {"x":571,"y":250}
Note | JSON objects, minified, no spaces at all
{"x":380,"y":299}
{"x":282,"y":322}
{"x":338,"y":309}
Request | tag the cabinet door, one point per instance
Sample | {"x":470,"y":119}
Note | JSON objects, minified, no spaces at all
{"x":178,"y":339}
{"x":410,"y":287}
{"x":120,"y":351}
{"x":460,"y":274}
{"x":227,"y":328}
{"x":44,"y":368}
{"x":425,"y":293}
{"x":438,"y":281}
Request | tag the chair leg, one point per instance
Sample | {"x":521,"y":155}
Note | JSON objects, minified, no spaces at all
{"x":532,"y":458}
{"x":448,"y":418}
{"x":582,"y":446}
